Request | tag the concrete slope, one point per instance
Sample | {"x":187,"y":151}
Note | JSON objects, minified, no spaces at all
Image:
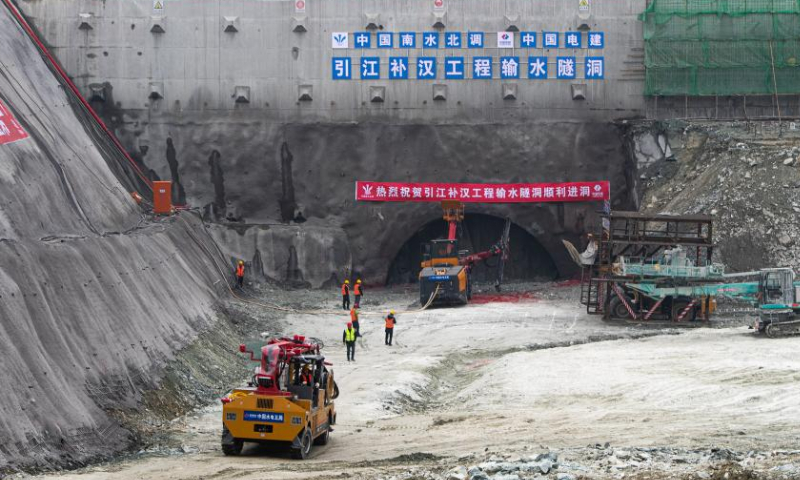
{"x":93,"y":299}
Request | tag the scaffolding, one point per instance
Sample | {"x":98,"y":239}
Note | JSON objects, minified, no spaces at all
{"x":647,"y":238}
{"x":722,"y":47}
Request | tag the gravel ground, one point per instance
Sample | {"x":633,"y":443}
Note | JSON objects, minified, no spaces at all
{"x":525,"y":385}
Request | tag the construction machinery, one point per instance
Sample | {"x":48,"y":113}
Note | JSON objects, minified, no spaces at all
{"x":659,"y":268}
{"x":289,"y":402}
{"x":445,"y":277}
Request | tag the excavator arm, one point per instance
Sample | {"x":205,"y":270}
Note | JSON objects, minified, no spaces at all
{"x":501,"y":249}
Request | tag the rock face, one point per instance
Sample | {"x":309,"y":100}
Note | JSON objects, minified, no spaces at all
{"x":739,"y":174}
{"x":305,"y":174}
{"x":93,"y":299}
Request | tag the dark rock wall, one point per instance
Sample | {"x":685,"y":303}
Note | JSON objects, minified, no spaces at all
{"x":276,"y":173}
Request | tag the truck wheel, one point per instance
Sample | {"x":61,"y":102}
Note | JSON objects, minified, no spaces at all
{"x":617,"y":308}
{"x":230,"y":445}
{"x":335,"y":391}
{"x":323,"y":439}
{"x":303,"y":451}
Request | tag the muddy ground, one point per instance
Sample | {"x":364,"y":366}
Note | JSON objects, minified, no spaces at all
{"x":519,"y":385}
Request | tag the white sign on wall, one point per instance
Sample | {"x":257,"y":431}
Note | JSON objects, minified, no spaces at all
{"x":300,"y":6}
{"x":505,"y":39}
{"x":158,"y":7}
{"x":583,"y":5}
{"x":340,"y":40}
{"x":438,"y":5}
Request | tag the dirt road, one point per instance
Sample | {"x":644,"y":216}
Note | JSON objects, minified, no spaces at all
{"x":460,"y":385}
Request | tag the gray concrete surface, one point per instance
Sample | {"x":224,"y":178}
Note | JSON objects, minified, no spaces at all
{"x":93,"y":300}
{"x":274,"y":158}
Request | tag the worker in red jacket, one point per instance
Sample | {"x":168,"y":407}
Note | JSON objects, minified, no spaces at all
{"x":357,"y":291}
{"x":346,"y":295}
{"x":240,"y":274}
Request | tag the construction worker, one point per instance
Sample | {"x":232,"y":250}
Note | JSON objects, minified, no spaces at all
{"x":346,"y":295}
{"x":357,"y":292}
{"x":240,"y":274}
{"x":306,"y":378}
{"x":354,"y":320}
{"x":349,"y":339}
{"x":390,"y":322}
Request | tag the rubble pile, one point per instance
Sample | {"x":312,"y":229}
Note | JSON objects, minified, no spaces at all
{"x":604,"y":461}
{"x":746,"y":175}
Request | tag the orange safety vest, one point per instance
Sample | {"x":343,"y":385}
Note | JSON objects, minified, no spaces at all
{"x":353,"y":315}
{"x":345,"y":289}
{"x":357,"y":289}
{"x":240,"y":271}
{"x":389,"y":322}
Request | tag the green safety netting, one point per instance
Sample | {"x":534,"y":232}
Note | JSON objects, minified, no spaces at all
{"x":722,"y":47}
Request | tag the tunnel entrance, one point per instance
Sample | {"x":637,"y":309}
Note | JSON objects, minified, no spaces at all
{"x":529,"y":260}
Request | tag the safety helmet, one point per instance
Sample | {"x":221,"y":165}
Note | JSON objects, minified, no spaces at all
{"x":347,"y":281}
{"x":391,"y":312}
{"x":241,"y":262}
{"x":358,"y":281}
{"x":349,"y":324}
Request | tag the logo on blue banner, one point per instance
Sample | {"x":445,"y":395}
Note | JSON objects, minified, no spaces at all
{"x":475,"y":39}
{"x":565,"y":67}
{"x":362,"y":40}
{"x":452,"y":40}
{"x":398,"y":68}
{"x":370,"y":68}
{"x":572,"y":39}
{"x":482,"y":67}
{"x":341,"y":68}
{"x":597,"y":40}
{"x":269,"y":417}
{"x":454,"y":68}
{"x":426,"y":68}
{"x":385,"y":40}
{"x":527,"y":40}
{"x":537,"y":67}
{"x":595,"y":68}
{"x":550,"y":39}
{"x":430,"y":40}
{"x":408,"y":40}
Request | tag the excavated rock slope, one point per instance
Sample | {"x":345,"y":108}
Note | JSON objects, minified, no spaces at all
{"x":745,"y":174}
{"x":94,"y":298}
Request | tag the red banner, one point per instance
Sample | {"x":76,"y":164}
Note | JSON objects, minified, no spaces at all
{"x":10,"y":129}
{"x":482,"y":192}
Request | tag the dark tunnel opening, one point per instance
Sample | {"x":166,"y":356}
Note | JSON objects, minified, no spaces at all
{"x":528,"y":261}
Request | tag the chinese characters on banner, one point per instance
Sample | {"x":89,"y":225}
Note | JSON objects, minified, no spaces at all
{"x":482,"y":192}
{"x":529,"y":63}
{"x":10,"y":129}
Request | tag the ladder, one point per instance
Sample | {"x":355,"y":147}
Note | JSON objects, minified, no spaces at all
{"x":590,"y":290}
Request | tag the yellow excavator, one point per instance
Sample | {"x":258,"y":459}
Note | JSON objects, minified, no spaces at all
{"x":446,"y":270}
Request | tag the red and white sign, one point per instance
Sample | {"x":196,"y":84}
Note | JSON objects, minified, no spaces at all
{"x":438,"y":5}
{"x":10,"y":129}
{"x":483,"y":192}
{"x":300,"y":6}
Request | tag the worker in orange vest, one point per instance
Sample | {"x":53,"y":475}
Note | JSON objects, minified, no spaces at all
{"x":357,"y":292}
{"x":240,"y":274}
{"x":346,"y":295}
{"x":390,"y":321}
{"x":354,"y":320}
